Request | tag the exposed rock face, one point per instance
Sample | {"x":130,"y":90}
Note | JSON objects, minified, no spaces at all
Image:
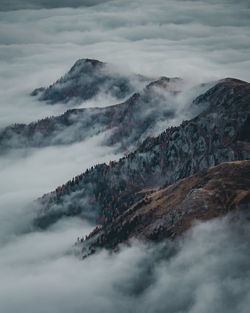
{"x":129,"y":121}
{"x":85,"y":80}
{"x":219,"y":134}
{"x":170,"y":211}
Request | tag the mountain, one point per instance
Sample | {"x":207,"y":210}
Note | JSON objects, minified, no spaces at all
{"x":88,"y":78}
{"x":219,"y":134}
{"x":127,"y":122}
{"x":168,"y":212}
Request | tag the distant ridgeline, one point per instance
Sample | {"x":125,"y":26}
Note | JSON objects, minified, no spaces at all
{"x":128,"y":122}
{"x":86,"y":79}
{"x":220,"y":133}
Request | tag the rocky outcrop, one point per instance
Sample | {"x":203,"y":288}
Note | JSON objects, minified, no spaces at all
{"x":170,"y":211}
{"x":128,"y":122}
{"x":86,"y":79}
{"x":219,"y":134}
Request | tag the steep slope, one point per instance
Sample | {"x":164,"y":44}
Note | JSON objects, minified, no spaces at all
{"x":219,"y":134}
{"x":86,"y":79}
{"x":170,"y":211}
{"x":129,"y":121}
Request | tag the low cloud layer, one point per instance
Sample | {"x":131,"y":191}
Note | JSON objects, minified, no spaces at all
{"x":207,"y":271}
{"x":27,"y":175}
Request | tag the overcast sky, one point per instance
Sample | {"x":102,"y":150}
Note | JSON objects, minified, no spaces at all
{"x":39,"y":41}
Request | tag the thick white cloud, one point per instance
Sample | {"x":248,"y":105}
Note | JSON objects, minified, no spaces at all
{"x":27,"y":175}
{"x":208,"y":271}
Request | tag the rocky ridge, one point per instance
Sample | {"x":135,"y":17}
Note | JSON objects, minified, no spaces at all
{"x":127,"y":122}
{"x":88,"y":78}
{"x":218,"y":134}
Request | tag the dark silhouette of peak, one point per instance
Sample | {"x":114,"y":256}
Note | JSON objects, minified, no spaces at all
{"x":93,"y":62}
{"x":87,"y":79}
{"x":86,"y":66}
{"x":234,"y":82}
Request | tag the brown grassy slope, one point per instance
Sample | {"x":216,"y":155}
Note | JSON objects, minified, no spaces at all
{"x":170,"y":211}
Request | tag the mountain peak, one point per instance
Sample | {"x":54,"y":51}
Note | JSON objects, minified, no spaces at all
{"x":234,"y":80}
{"x":91,"y":61}
{"x":83,"y":63}
{"x":172,"y":84}
{"x":87,"y":79}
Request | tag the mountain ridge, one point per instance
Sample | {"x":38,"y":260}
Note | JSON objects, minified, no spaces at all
{"x":214,"y":136}
{"x":168,"y":212}
{"x":129,"y":121}
{"x":86,"y":79}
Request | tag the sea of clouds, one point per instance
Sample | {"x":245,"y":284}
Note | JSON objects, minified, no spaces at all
{"x":196,"y":40}
{"x":201,"y":41}
{"x":207,"y":271}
